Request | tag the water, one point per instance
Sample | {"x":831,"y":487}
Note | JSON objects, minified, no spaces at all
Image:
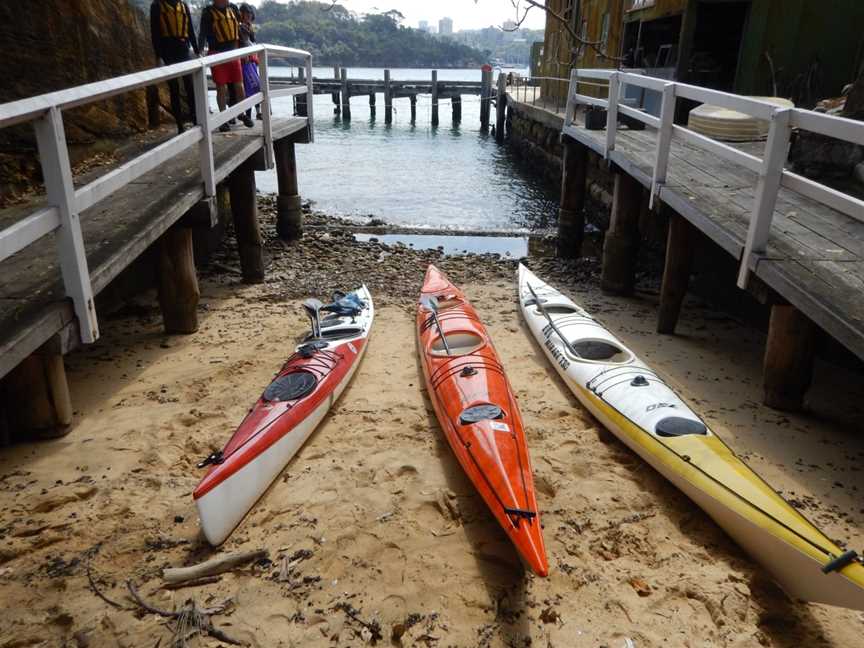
{"x":507,"y":246}
{"x":450,"y":177}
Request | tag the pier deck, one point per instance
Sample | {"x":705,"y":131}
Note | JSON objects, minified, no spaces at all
{"x":33,"y":306}
{"x":800,"y":243}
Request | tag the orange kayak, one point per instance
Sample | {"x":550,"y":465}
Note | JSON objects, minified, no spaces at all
{"x":478,"y":412}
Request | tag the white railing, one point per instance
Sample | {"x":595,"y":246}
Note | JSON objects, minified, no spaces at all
{"x":771,"y":171}
{"x":66,"y":203}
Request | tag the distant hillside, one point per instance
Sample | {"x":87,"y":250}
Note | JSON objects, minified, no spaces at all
{"x":336,"y":36}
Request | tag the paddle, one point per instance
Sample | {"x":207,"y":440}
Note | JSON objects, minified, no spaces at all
{"x":545,"y":314}
{"x":313,"y":310}
{"x":429,"y":304}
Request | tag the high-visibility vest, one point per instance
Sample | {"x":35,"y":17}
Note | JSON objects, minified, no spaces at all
{"x":226,"y":26}
{"x":174,"y":20}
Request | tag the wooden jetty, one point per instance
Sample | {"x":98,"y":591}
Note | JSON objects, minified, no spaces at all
{"x":341,"y":88}
{"x":800,"y":244}
{"x":58,"y":255}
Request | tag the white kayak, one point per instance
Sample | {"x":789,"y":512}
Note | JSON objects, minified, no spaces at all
{"x":636,"y":405}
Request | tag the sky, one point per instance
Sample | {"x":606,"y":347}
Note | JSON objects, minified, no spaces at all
{"x":466,"y":14}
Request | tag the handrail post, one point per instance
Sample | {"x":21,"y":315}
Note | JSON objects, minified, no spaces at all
{"x":310,"y":99}
{"x":205,"y":146}
{"x":266,"y":109}
{"x":664,"y":140}
{"x":60,"y":191}
{"x":570,"y":110}
{"x":770,"y":177}
{"x":612,"y":114}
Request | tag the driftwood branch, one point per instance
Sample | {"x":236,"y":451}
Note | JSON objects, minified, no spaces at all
{"x":212,"y":567}
{"x":198,"y":582}
{"x":95,"y":589}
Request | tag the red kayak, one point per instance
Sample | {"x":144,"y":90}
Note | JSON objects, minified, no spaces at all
{"x":478,"y":412}
{"x":286,"y":414}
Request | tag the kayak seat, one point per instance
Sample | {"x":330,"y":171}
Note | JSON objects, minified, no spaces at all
{"x":338,"y":334}
{"x":676,"y":426}
{"x":460,"y":343}
{"x":290,"y":387}
{"x":600,"y":350}
{"x":480,"y":413}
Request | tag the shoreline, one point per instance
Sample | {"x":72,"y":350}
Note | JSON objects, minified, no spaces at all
{"x":387,"y":525}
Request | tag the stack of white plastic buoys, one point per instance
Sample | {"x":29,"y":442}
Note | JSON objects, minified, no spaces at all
{"x":730,"y":125}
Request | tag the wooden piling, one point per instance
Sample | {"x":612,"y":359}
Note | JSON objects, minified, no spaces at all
{"x":676,"y":272}
{"x":456,"y":102}
{"x":434,"y":97}
{"x":621,"y":243}
{"x":571,"y":213}
{"x":789,"y":357}
{"x":501,"y":107}
{"x":372,"y":105}
{"x":289,"y":212}
{"x":36,"y":396}
{"x":346,"y":96}
{"x":301,"y":109}
{"x":413,"y":99}
{"x":244,"y":208}
{"x":337,"y":103}
{"x":388,"y":99}
{"x":178,"y":281}
{"x":486,"y":99}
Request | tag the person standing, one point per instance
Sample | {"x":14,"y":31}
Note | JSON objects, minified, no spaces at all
{"x":220,"y":32}
{"x":251,"y":77}
{"x":173,"y":35}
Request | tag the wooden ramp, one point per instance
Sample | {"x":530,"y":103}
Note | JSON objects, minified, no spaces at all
{"x":117,"y":230}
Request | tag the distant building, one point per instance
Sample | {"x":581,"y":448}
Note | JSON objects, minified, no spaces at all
{"x":445,"y":26}
{"x":423,"y":25}
{"x":510,"y":25}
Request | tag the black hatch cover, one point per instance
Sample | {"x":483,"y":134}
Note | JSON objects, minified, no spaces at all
{"x":290,"y":387}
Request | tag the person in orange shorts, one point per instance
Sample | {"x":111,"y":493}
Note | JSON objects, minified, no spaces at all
{"x":220,"y":32}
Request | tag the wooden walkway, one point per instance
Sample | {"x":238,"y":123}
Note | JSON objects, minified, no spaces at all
{"x":800,"y":253}
{"x":814,"y":256}
{"x":33,"y":307}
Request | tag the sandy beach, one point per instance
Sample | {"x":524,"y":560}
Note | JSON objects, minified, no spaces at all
{"x":386,"y":542}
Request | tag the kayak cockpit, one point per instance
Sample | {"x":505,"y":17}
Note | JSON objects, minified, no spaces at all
{"x":598,"y":350}
{"x":456,"y":343}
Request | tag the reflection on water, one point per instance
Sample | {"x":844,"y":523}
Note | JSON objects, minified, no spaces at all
{"x":452,"y":176}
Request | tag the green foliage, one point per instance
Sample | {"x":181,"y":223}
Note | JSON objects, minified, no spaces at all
{"x":337,"y":36}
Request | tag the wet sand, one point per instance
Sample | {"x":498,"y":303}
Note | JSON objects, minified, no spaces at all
{"x":395,"y":540}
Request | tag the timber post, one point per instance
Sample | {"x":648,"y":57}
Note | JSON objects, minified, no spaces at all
{"x":36,"y":395}
{"x":789,"y":355}
{"x":621,"y":242}
{"x":301,"y":109}
{"x":413,"y":108}
{"x":337,"y":103}
{"x":676,"y":272}
{"x":501,"y":107}
{"x":571,"y":213}
{"x":456,"y":102}
{"x":244,"y":208}
{"x":388,"y":99}
{"x":346,"y":96}
{"x":178,"y":281}
{"x":434,"y":98}
{"x":485,"y":98}
{"x":372,"y":105}
{"x":289,"y":212}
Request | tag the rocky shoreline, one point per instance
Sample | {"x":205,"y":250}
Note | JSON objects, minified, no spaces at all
{"x":328,"y":257}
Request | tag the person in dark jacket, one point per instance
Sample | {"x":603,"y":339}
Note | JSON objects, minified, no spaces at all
{"x":173,"y":36}
{"x":220,"y":32}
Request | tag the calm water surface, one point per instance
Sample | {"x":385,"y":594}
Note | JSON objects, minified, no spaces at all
{"x":415,"y":175}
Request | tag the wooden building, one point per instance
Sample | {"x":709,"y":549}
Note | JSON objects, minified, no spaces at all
{"x":800,"y":49}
